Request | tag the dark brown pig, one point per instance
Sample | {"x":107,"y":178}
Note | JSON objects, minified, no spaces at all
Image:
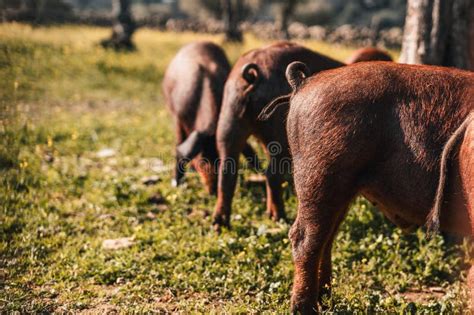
{"x":255,"y":80}
{"x":193,"y":86}
{"x":401,"y":135}
{"x":368,"y":54}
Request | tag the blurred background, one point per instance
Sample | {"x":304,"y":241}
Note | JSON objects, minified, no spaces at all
{"x":360,"y":22}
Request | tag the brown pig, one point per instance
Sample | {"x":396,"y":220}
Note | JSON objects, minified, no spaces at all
{"x":255,"y":80}
{"x":400,"y":135}
{"x":368,"y":54}
{"x":193,"y":86}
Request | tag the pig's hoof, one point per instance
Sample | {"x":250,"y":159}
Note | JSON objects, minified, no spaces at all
{"x":303,"y":307}
{"x":277,"y":216}
{"x":175,"y":183}
{"x":212,"y":191}
{"x":219,"y":223}
{"x":217,"y":228}
{"x":303,"y":310}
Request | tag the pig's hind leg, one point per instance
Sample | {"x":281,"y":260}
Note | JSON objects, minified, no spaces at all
{"x":180,"y":163}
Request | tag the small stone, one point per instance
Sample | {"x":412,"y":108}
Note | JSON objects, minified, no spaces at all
{"x":150,"y":180}
{"x":105,"y":216}
{"x":118,"y":243}
{"x":150,"y":215}
{"x":105,"y":153}
{"x":120,"y":280}
{"x":49,"y":158}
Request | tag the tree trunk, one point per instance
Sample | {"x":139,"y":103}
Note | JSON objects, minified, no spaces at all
{"x":123,"y":28}
{"x":231,"y":20}
{"x":175,"y":10}
{"x":471,"y":38}
{"x":286,"y":11}
{"x":437,"y":33}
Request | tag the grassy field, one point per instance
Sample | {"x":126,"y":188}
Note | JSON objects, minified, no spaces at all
{"x":82,"y":128}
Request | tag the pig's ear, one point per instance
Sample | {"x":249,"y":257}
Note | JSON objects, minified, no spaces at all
{"x":295,"y":74}
{"x":251,"y":73}
{"x":192,"y":146}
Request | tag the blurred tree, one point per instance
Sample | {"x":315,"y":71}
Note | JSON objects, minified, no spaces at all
{"x":231,"y":13}
{"x":123,"y":28}
{"x":286,"y":10}
{"x":82,"y":4}
{"x":175,"y":10}
{"x":316,"y":12}
{"x":471,"y":38}
{"x":437,"y":33}
{"x":37,"y":11}
{"x":374,"y":4}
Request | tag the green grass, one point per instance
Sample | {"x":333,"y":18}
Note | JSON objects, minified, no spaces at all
{"x":63,"y":99}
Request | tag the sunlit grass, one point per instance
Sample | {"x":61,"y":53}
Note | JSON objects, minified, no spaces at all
{"x":67,"y":100}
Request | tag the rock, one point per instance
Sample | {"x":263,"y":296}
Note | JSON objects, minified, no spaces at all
{"x":392,"y":37}
{"x":155,"y":165}
{"x":118,"y":243}
{"x":265,"y":30}
{"x":120,"y":280}
{"x":263,"y":229}
{"x":344,"y":34}
{"x":298,"y":30}
{"x":49,"y":157}
{"x":150,"y":180}
{"x":105,"y":153}
{"x":150,"y":215}
{"x":317,"y":32}
{"x":105,"y":216}
{"x":180,"y":25}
